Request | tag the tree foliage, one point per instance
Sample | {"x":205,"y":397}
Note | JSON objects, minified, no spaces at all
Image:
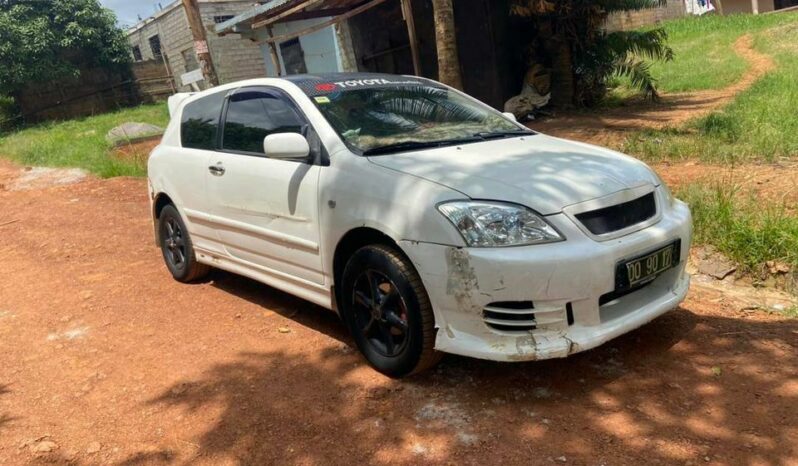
{"x":43,"y":40}
{"x":571,"y":36}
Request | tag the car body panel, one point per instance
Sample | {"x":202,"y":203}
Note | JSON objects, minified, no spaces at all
{"x":538,"y":171}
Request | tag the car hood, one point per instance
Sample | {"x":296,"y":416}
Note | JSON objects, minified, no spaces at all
{"x":541,"y":172}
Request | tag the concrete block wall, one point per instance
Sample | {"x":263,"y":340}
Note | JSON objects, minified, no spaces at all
{"x":627,"y":20}
{"x":234,"y":58}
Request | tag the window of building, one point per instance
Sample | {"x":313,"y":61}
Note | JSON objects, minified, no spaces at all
{"x":222,"y":18}
{"x":253,"y":115}
{"x":190,"y":60}
{"x":293,"y":57}
{"x":137,"y":53}
{"x":200,"y":122}
{"x":155,"y":46}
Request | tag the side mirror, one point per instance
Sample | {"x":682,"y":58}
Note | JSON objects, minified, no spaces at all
{"x":510,"y":116}
{"x":286,"y":146}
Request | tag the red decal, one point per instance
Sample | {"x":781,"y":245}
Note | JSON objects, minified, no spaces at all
{"x":326,"y":87}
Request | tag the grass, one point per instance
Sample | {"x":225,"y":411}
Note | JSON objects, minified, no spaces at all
{"x":703,"y":49}
{"x":760,"y":124}
{"x":81,"y":143}
{"x":742,"y":228}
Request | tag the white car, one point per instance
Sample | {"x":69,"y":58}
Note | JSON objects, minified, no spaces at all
{"x":429,"y":221}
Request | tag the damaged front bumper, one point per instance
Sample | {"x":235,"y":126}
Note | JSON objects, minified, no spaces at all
{"x":566,"y":289}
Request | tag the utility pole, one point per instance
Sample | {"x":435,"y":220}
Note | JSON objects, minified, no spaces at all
{"x":200,"y":42}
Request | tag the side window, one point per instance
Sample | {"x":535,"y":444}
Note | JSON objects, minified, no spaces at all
{"x":200,"y":122}
{"x":253,"y":115}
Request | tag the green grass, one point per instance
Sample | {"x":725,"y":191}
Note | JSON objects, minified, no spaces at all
{"x":743,"y":229}
{"x":760,"y":124}
{"x":81,"y":143}
{"x":703,"y":49}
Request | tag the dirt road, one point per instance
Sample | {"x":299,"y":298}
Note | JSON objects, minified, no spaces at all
{"x":105,"y":360}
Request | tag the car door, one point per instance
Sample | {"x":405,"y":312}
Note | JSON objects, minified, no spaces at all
{"x":265,"y":210}
{"x":187,"y":170}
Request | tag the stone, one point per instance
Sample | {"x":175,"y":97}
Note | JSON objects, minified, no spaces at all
{"x":44,"y":446}
{"x":132,"y":132}
{"x":93,"y":447}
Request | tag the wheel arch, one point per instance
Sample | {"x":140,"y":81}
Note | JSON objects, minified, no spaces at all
{"x":160,"y":201}
{"x":350,"y":242}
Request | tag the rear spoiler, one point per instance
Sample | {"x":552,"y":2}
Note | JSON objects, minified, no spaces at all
{"x":177,"y":99}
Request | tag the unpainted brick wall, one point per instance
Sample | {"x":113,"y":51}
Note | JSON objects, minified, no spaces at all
{"x":234,"y":58}
{"x":627,"y":20}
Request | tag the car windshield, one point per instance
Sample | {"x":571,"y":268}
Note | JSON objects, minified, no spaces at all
{"x":385,"y":119}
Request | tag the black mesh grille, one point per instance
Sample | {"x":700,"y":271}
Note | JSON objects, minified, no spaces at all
{"x":620,"y":216}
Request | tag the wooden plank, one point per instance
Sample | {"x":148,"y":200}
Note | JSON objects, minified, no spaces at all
{"x":325,"y":24}
{"x":273,"y":52}
{"x":313,"y":14}
{"x":407,"y":12}
{"x":288,"y":12}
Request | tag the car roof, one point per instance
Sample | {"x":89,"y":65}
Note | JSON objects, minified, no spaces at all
{"x":340,"y":76}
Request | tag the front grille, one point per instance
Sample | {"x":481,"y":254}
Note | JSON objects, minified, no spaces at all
{"x":619,"y":216}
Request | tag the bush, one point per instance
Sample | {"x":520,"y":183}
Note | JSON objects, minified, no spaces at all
{"x":8,"y":112}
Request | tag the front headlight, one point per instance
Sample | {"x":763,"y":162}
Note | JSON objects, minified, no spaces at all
{"x":496,"y":224}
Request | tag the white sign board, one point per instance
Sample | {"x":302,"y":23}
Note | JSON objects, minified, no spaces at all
{"x":191,"y":77}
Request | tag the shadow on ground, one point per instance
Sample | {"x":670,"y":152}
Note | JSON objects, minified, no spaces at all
{"x":686,"y":387}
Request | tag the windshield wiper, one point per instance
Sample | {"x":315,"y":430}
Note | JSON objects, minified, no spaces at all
{"x":410,"y":145}
{"x":503,"y":134}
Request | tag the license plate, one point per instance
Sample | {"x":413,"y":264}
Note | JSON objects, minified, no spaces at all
{"x":647,"y":267}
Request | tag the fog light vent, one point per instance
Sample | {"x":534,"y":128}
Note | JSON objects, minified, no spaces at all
{"x":510,"y":316}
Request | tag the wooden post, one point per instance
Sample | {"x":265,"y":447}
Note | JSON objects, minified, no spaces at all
{"x":200,"y":42}
{"x":273,"y":52}
{"x":407,"y":12}
{"x":755,"y":7}
{"x":720,"y":7}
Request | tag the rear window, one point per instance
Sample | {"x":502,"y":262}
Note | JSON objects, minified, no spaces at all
{"x":200,"y":122}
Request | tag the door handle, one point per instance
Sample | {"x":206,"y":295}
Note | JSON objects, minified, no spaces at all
{"x":217,"y":170}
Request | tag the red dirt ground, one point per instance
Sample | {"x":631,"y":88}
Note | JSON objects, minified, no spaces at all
{"x":105,"y":360}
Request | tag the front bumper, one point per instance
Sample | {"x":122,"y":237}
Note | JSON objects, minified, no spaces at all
{"x":565,"y":281}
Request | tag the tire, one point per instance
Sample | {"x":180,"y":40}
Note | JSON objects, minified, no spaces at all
{"x":402,"y":306}
{"x":177,"y":248}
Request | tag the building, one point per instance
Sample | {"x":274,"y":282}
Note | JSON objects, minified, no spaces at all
{"x":166,"y":37}
{"x":386,"y":36}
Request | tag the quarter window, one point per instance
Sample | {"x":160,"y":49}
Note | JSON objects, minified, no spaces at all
{"x":253,"y":115}
{"x":200,"y":122}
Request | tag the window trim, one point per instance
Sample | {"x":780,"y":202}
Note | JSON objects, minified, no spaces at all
{"x":315,"y":158}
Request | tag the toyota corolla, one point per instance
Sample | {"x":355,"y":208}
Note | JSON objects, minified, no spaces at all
{"x":429,"y":221}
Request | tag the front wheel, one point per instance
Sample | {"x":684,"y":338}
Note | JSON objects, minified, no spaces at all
{"x":177,"y":249}
{"x":388,"y":312}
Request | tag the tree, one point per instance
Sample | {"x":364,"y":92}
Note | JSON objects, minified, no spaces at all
{"x":45,"y":40}
{"x":569,"y":35}
{"x":446,"y":40}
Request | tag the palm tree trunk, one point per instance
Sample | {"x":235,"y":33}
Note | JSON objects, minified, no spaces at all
{"x":446,"y":40}
{"x":562,"y":82}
